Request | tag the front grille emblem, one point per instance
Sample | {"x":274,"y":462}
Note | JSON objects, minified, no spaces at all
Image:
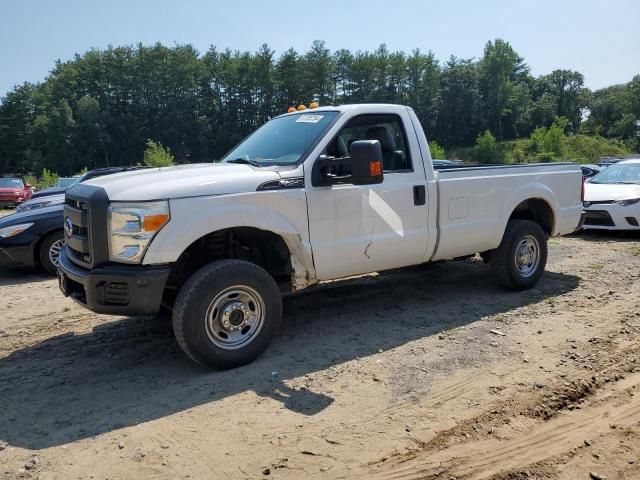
{"x":68,"y":227}
{"x":586,"y":204}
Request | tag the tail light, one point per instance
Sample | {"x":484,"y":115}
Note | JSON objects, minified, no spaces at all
{"x":582,"y":191}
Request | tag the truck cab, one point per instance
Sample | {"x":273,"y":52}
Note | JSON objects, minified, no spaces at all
{"x":311,"y":196}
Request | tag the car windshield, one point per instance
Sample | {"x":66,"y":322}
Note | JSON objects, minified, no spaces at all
{"x":281,"y":141}
{"x":11,"y":183}
{"x":622,"y":173}
{"x":65,"y":182}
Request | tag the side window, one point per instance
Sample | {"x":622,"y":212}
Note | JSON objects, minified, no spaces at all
{"x":387,"y":129}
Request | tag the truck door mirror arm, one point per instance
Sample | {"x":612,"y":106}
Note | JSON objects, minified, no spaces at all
{"x":362,"y":167}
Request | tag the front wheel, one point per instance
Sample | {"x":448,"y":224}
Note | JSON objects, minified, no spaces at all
{"x":519,"y":261}
{"x":227,"y":313}
{"x":50,"y":252}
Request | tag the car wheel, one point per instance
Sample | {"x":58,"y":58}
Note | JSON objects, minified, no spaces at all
{"x":520,"y":259}
{"x":50,"y":252}
{"x":227,"y":313}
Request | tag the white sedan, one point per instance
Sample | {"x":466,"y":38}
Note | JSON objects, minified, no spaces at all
{"x":612,"y":198}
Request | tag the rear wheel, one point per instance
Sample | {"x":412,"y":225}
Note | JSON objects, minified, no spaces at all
{"x":519,"y":261}
{"x":49,"y":253}
{"x":227,"y":313}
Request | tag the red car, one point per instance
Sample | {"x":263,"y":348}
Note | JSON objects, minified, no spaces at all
{"x":14,"y":191}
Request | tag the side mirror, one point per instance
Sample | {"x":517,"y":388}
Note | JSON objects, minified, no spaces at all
{"x":366,"y":162}
{"x":362,"y":167}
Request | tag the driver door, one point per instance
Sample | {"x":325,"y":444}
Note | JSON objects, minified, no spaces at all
{"x":365,"y":228}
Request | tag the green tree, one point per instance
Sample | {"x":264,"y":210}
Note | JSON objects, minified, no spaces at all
{"x":99,"y":108}
{"x":436,"y":150}
{"x":550,"y":143}
{"x":423,"y":85}
{"x":486,"y":149}
{"x":317,"y":74}
{"x":48,"y":179}
{"x":155,"y":155}
{"x":500,"y":69}
{"x":459,"y":107}
{"x":563,"y":94}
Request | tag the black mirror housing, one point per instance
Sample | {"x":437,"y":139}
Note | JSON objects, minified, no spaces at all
{"x":366,"y":162}
{"x":362,"y":167}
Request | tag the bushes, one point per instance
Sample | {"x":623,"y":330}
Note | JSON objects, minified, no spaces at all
{"x":157,"y":156}
{"x":31,"y":180}
{"x":436,"y":150}
{"x":552,"y":144}
{"x":587,"y":149}
{"x":48,"y":179}
{"x":548,"y":144}
{"x":487,"y":150}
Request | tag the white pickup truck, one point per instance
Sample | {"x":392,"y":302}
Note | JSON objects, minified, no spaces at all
{"x":310,"y":196}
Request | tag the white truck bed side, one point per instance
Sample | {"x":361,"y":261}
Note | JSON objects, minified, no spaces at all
{"x":475,"y":203}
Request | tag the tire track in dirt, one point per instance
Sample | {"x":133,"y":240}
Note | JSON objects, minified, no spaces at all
{"x":486,"y":458}
{"x":563,"y":414}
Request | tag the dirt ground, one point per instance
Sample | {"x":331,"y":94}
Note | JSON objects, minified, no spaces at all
{"x":430,"y":372}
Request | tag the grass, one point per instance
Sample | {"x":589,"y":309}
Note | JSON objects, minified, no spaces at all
{"x":597,"y":266}
{"x":635,"y":251}
{"x":6,"y":211}
{"x":500,"y":317}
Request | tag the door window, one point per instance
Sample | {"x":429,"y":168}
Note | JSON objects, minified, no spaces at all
{"x":387,"y":129}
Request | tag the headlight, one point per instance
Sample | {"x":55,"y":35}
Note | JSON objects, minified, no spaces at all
{"x":13,"y":230}
{"x":132,"y":226}
{"x":629,"y":201}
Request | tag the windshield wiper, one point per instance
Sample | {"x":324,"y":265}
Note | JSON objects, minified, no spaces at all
{"x":244,"y":161}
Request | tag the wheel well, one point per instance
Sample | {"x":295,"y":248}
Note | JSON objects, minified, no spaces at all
{"x":537,"y":210}
{"x":261,"y":247}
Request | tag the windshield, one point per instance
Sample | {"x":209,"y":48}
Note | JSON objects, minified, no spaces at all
{"x":65,"y":182}
{"x":11,"y":183}
{"x":622,"y":173}
{"x":281,"y":141}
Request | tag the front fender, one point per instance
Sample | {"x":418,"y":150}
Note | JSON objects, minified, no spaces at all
{"x":281,"y":212}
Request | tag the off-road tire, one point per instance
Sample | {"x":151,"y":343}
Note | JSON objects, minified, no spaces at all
{"x":503,"y":259}
{"x":193,"y":300}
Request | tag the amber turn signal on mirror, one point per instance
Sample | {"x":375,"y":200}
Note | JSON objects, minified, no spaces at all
{"x":375,"y":169}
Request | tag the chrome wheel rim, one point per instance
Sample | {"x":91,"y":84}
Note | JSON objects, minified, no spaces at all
{"x":527,"y":256}
{"x":54,"y":251}
{"x":235,"y":317}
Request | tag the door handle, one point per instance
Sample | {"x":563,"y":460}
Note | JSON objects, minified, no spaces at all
{"x":419,"y":195}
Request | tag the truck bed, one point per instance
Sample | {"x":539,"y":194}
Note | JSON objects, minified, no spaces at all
{"x":476,"y":201}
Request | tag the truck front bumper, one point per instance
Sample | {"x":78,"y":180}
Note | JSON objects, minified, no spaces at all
{"x":114,"y":289}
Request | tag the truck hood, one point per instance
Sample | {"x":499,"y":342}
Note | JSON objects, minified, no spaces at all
{"x":600,"y":192}
{"x":192,"y":180}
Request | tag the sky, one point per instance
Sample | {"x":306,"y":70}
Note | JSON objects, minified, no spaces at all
{"x":597,"y":38}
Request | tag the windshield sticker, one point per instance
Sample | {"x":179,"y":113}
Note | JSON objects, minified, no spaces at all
{"x":309,"y":118}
